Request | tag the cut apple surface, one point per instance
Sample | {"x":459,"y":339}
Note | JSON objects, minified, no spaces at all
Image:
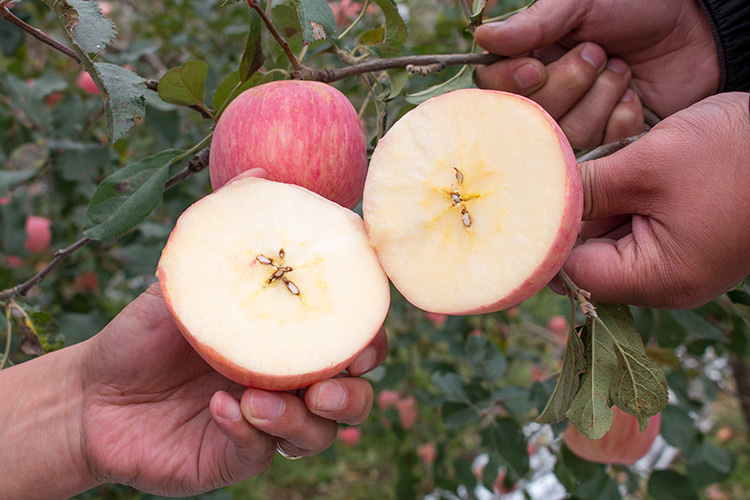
{"x":275,"y":286}
{"x":473,"y":201}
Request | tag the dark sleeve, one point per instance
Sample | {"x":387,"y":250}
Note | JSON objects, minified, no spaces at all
{"x":730,"y":24}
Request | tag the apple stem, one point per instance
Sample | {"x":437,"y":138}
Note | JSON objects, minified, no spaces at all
{"x":581,"y":295}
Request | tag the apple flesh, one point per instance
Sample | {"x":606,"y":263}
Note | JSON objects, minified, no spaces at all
{"x":473,"y":201}
{"x":300,"y":132}
{"x":624,"y":443}
{"x":273,"y":285}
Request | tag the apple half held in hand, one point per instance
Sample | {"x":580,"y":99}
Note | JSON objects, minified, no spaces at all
{"x":274,"y":286}
{"x":473,"y":201}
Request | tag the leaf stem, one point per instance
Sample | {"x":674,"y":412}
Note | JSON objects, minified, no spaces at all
{"x":275,"y":33}
{"x":581,"y":295}
{"x":356,"y":21}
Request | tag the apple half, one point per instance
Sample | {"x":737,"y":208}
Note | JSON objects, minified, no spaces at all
{"x":273,"y":285}
{"x":473,"y":201}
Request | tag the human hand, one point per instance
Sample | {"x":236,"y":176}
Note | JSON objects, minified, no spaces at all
{"x":666,"y":214}
{"x":667,"y":48}
{"x":160,"y":419}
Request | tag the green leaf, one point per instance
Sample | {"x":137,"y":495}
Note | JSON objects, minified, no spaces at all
{"x":91,"y":30}
{"x":506,"y":443}
{"x":678,"y":428}
{"x":128,"y":196}
{"x":451,"y":386}
{"x":573,"y":364}
{"x":185,"y":85}
{"x":477,"y":9}
{"x":590,"y":411}
{"x":461,"y":80}
{"x":398,"y":78}
{"x":252,"y":58}
{"x":741,"y":303}
{"x":41,"y":333}
{"x":123,"y":97}
{"x":396,"y":31}
{"x":696,"y":324}
{"x":10,"y":179}
{"x":486,"y":358}
{"x":28,"y":100}
{"x":670,"y":485}
{"x":285,"y":18}
{"x":708,"y":464}
{"x":459,"y":416}
{"x":316,"y":19}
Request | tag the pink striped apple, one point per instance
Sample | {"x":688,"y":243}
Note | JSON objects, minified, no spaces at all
{"x":300,"y":132}
{"x":623,"y":444}
{"x":473,"y":201}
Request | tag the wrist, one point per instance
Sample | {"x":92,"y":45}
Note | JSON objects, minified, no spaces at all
{"x":41,"y":422}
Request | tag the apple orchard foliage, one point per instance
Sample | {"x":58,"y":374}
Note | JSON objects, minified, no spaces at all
{"x":95,"y":164}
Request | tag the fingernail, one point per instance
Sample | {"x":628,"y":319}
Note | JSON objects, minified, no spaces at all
{"x":618,"y":66}
{"x":627,"y":96}
{"x":594,"y":55}
{"x":364,"y":362}
{"x":265,"y":406}
{"x":229,"y":408}
{"x":527,"y":76}
{"x":331,"y":396}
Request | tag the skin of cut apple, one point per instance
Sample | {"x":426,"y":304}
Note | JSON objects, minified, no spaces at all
{"x":473,"y":201}
{"x":301,"y":132}
{"x":273,"y":285}
{"x":624,"y":443}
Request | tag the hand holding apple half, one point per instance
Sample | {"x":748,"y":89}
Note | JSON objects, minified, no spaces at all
{"x":473,"y":201}
{"x":273,"y":285}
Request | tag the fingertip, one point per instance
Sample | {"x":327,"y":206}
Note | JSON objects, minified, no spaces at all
{"x":225,"y":407}
{"x":261,"y":407}
{"x":522,"y":75}
{"x":372,"y":356}
{"x":626,"y":119}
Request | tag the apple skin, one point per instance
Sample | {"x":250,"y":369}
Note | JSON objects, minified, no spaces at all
{"x":350,"y":436}
{"x":38,"y":234}
{"x":622,"y":444}
{"x":301,"y":132}
{"x":86,"y":83}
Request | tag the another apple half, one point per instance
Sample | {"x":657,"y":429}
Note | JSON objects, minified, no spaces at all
{"x":473,"y":201}
{"x":274,"y":286}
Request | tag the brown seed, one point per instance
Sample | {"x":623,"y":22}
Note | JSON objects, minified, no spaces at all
{"x":264,"y":260}
{"x":459,"y":175}
{"x":465,"y":217}
{"x":291,"y":287}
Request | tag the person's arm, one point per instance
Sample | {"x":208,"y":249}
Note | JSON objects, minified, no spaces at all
{"x":40,"y":427}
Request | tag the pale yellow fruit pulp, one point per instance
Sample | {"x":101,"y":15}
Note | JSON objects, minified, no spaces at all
{"x":217,"y":280}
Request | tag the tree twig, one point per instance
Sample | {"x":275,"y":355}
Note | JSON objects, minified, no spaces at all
{"x":38,"y":34}
{"x":581,"y":295}
{"x":378,"y":64}
{"x":609,"y":148}
{"x":275,"y":33}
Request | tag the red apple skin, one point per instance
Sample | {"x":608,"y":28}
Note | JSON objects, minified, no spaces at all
{"x":622,"y":444}
{"x":300,"y":132}
{"x":407,"y":412}
{"x":38,"y":234}
{"x":86,"y":83}
{"x":387,"y":399}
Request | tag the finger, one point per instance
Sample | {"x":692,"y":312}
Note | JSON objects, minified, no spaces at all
{"x":609,"y":227}
{"x":625,"y":182}
{"x":585,"y":123}
{"x":545,"y":22}
{"x":347,"y":400}
{"x":523,"y":75}
{"x":626,"y":119}
{"x":251,"y":444}
{"x":372,"y":356}
{"x":569,"y":78}
{"x":286,"y":417}
{"x":623,"y":271}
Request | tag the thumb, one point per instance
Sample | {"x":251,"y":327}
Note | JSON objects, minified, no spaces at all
{"x":542,"y":24}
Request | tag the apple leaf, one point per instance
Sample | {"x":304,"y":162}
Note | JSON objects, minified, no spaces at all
{"x":507,"y":447}
{"x":573,"y":365}
{"x":128,"y":196}
{"x":671,"y":485}
{"x":396,"y":31}
{"x":122,"y":90}
{"x":285,"y":18}
{"x":590,"y":411}
{"x":451,"y":386}
{"x":10,"y":179}
{"x":184,"y":86}
{"x":252,"y":58}
{"x":461,"y":80}
{"x":123,"y":96}
{"x":41,"y":333}
{"x":316,"y":18}
{"x":477,"y":9}
{"x":486,"y":358}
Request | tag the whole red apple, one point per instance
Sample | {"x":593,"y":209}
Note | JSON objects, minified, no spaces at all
{"x":623,"y":444}
{"x":38,"y":234}
{"x":427,"y":453}
{"x":387,"y":399}
{"x":407,"y":412}
{"x":300,"y":132}
{"x":350,"y":436}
